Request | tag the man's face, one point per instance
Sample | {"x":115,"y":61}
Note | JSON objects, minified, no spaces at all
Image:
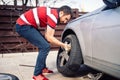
{"x":64,"y":18}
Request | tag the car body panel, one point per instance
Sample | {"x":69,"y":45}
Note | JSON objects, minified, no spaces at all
{"x":98,"y":33}
{"x":106,"y":36}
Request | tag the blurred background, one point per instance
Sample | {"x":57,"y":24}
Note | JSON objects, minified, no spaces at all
{"x":82,"y":5}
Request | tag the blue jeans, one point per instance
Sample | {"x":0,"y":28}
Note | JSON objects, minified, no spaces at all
{"x":36,"y":38}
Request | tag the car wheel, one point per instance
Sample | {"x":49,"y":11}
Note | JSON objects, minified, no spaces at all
{"x":5,"y":76}
{"x":68,"y":63}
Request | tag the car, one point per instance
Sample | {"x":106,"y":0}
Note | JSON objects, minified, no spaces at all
{"x":95,"y":41}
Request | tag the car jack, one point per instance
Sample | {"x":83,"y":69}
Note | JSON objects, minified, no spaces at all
{"x":96,"y":76}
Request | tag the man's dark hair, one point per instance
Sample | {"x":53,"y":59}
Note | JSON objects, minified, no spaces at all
{"x":66,"y":9}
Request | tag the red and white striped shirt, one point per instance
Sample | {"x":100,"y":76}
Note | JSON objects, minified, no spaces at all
{"x":39,"y":17}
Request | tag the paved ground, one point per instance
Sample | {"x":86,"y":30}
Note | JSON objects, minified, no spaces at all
{"x":11,"y":63}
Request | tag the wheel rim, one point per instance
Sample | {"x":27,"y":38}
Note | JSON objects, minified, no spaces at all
{"x":64,"y":56}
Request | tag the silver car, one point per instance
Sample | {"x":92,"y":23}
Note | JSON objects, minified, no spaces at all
{"x":95,"y":41}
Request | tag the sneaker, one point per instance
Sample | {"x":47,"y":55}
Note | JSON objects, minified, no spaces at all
{"x":40,"y":77}
{"x":46,"y":70}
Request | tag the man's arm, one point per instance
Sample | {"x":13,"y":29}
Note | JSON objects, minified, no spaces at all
{"x":49,"y":35}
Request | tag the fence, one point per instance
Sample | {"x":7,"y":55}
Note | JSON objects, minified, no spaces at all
{"x":10,"y":41}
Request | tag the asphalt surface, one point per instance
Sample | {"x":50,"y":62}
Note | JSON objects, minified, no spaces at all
{"x":22,"y":66}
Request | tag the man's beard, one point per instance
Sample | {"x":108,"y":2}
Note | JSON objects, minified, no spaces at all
{"x":58,"y":21}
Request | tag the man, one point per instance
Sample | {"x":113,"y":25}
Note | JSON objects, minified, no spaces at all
{"x":27,"y":26}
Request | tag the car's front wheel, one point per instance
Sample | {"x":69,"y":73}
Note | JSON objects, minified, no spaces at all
{"x":68,"y":63}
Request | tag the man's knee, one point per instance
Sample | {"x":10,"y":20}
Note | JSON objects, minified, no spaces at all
{"x":46,"y":47}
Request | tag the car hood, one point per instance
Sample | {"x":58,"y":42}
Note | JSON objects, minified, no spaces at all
{"x":97,"y":11}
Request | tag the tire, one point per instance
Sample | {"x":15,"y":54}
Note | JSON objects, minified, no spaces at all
{"x":69,"y":63}
{"x":5,"y":76}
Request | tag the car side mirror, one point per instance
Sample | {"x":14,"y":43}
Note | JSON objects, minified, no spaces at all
{"x":112,"y":3}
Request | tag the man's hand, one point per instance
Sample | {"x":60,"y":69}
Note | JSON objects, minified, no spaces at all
{"x":67,"y":47}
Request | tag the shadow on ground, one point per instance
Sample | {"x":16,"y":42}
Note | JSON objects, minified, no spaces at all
{"x":85,"y":70}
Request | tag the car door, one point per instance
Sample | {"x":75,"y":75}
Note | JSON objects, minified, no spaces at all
{"x":106,"y":41}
